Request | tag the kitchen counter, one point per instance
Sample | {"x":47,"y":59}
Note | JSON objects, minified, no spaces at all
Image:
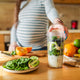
{"x":73,"y":34}
{"x":7,"y":32}
{"x":74,"y":31}
{"x":44,"y":72}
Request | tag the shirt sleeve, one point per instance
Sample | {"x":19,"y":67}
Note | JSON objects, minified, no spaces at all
{"x":13,"y":37}
{"x":51,"y":12}
{"x":23,"y":3}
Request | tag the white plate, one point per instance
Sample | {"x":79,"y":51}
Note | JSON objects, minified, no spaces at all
{"x":23,"y":71}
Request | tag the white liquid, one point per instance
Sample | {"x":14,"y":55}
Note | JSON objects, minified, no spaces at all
{"x":55,"y":61}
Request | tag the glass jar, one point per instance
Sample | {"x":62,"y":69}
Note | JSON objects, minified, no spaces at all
{"x":55,"y":49}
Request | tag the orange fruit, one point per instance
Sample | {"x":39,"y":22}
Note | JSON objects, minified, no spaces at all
{"x":70,"y":49}
{"x":20,"y":51}
{"x":29,"y":49}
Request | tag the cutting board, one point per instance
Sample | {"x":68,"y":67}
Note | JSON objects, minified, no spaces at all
{"x":4,"y":58}
{"x":66,"y":60}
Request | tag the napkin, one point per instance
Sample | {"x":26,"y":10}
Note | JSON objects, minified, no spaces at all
{"x":71,"y":61}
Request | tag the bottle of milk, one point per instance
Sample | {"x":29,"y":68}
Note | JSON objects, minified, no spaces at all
{"x":55,"y":49}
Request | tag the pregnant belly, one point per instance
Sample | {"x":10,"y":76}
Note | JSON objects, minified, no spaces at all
{"x":31,"y":33}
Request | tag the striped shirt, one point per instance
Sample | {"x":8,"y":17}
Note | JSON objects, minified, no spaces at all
{"x":33,"y":23}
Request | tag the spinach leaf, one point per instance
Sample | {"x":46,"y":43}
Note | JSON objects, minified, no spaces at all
{"x":54,"y":52}
{"x":20,"y":64}
{"x":13,"y":53}
{"x":17,"y":64}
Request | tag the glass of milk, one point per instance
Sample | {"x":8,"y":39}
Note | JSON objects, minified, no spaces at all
{"x":55,"y":49}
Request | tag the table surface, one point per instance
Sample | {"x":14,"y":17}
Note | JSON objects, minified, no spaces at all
{"x":44,"y":72}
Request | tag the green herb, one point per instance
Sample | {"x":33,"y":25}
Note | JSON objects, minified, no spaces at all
{"x":13,"y":53}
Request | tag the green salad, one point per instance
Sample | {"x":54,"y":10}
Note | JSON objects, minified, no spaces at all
{"x":55,"y":46}
{"x":22,"y":63}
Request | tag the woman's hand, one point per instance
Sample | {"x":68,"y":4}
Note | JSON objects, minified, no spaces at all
{"x":58,"y":25}
{"x":13,"y":46}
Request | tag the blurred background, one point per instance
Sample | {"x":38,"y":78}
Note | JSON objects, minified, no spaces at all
{"x":69,"y":12}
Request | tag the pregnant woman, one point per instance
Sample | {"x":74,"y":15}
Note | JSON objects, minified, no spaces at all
{"x":31,"y":24}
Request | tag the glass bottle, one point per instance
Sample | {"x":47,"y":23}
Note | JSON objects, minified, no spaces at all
{"x":74,"y":24}
{"x":55,"y":49}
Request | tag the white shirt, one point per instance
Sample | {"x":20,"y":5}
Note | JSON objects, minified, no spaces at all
{"x":33,"y":23}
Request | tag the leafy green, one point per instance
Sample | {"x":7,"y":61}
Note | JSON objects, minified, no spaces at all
{"x":20,"y":64}
{"x":17,"y":64}
{"x":54,"y":37}
{"x":54,"y":52}
{"x":13,"y":53}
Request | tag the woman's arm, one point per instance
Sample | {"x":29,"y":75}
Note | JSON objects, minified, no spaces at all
{"x":50,"y":10}
{"x":53,"y":16}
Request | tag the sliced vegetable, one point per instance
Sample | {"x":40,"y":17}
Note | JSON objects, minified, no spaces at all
{"x":21,"y":51}
{"x":29,"y":49}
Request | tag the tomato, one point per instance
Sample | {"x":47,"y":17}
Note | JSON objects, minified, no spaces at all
{"x":21,"y":51}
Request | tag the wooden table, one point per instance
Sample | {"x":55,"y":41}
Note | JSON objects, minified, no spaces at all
{"x":44,"y":73}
